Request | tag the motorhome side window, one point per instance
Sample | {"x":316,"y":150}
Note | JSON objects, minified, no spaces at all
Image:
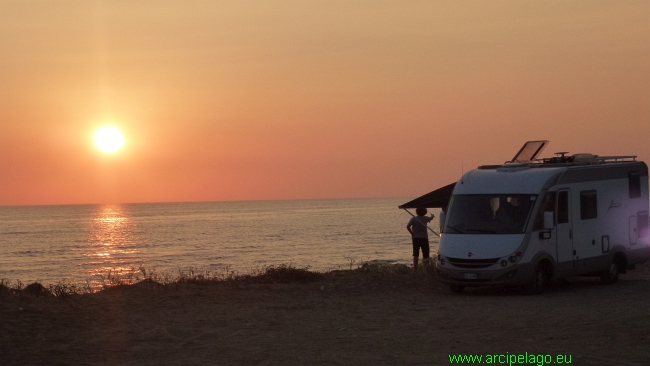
{"x":634,"y":179}
{"x":588,"y":205}
{"x":548,"y":205}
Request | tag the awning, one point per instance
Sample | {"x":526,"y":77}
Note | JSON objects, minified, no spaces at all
{"x":436,"y":199}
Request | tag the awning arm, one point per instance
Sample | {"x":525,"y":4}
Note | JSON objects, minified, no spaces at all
{"x":430,"y":229}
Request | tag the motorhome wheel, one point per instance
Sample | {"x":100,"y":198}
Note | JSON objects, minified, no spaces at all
{"x":610,"y":276}
{"x":539,"y":281}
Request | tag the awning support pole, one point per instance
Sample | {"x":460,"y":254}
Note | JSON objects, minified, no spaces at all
{"x":430,"y":229}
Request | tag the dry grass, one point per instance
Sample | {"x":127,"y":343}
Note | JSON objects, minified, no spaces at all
{"x":425,"y":268}
{"x":141,"y":278}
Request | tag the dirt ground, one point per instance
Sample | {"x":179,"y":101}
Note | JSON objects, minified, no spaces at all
{"x":349,"y":318}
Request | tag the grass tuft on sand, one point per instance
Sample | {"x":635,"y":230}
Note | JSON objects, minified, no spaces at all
{"x":283,"y":273}
{"x":142,"y":278}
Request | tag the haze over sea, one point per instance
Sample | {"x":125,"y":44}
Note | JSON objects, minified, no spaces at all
{"x":76,"y":243}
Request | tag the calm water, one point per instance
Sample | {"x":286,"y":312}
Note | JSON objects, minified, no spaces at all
{"x":83,"y":242}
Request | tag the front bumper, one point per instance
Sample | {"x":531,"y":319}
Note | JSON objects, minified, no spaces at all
{"x":519,"y":274}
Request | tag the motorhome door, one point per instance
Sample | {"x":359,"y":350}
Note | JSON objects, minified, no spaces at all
{"x":564,"y":234}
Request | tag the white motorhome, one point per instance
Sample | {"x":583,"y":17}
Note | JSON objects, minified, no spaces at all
{"x":531,"y":221}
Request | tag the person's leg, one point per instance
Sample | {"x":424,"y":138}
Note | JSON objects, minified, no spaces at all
{"x":416,"y":253}
{"x":425,"y":253}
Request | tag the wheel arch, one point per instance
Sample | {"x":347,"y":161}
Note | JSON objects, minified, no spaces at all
{"x":546,"y":259}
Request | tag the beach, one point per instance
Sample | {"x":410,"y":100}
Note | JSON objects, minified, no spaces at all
{"x":366,"y":316}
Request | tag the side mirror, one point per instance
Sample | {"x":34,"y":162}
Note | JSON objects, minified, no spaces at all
{"x":548,"y":225}
{"x":442,"y":217}
{"x":548,"y":220}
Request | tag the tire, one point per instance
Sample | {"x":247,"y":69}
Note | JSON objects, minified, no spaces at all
{"x":456,"y":288}
{"x":539,"y":282}
{"x":610,"y":276}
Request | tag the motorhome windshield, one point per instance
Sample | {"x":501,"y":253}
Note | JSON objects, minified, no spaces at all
{"x":489,"y":213}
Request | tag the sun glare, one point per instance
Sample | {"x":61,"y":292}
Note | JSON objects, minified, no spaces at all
{"x":109,"y":139}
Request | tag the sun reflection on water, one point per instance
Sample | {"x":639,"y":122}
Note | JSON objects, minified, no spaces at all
{"x":113,"y":245}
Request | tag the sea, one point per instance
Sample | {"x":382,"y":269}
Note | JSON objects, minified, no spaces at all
{"x":85,"y":244}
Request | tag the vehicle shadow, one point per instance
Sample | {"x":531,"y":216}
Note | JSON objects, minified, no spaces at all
{"x":575,"y":284}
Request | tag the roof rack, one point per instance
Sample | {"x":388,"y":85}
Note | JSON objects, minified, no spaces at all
{"x":621,"y":158}
{"x":585,"y":159}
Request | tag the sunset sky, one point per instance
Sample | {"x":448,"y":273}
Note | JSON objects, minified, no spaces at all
{"x":247,"y":100}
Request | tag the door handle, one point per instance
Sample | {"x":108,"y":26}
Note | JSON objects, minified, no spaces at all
{"x":570,"y":233}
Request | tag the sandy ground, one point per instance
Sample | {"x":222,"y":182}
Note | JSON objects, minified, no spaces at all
{"x":349,"y":318}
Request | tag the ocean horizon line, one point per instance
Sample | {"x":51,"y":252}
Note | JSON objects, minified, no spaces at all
{"x":208,"y":201}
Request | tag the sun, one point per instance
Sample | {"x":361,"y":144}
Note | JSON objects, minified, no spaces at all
{"x":109,"y":139}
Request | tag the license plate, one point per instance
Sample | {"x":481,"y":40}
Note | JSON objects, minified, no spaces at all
{"x":470,"y":276}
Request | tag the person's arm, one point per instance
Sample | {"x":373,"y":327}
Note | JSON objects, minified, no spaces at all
{"x":408,"y":227}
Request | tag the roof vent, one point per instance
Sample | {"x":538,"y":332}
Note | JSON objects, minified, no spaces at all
{"x":513,"y":167}
{"x":583,"y":158}
{"x":529,"y":151}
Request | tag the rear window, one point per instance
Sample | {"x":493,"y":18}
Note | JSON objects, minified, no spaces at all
{"x":634,"y":180}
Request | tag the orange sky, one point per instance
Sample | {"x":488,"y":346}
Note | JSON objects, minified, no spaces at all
{"x":238,"y":100}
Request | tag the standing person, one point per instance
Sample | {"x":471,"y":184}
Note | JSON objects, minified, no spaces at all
{"x":417,"y":226}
